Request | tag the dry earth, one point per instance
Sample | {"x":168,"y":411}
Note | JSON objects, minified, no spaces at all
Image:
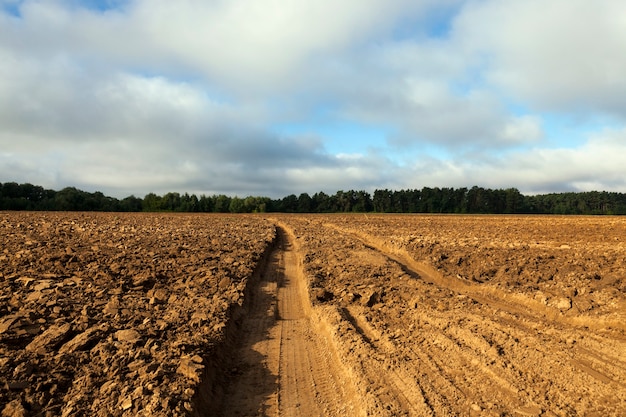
{"x":474,"y":315}
{"x":312,"y":315}
{"x":285,"y":364}
{"x":117,"y":314}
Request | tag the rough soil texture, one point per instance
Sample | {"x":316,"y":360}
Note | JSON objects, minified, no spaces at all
{"x":474,"y":315}
{"x":117,"y":314}
{"x":312,"y":315}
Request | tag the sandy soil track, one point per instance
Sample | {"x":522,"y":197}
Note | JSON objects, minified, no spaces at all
{"x":422,"y":343}
{"x":283,"y":364}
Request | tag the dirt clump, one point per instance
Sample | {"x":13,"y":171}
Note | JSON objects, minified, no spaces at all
{"x":117,"y":314}
{"x":380,"y":315}
{"x":474,"y":315}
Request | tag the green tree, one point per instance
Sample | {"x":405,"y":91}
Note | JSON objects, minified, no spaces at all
{"x":288,"y":204}
{"x":151,"y":202}
{"x":236,"y":205}
{"x":205,"y":204}
{"x":514,"y":201}
{"x":131,"y":203}
{"x":222,"y":204}
{"x":321,"y":202}
{"x":70,"y":199}
{"x":305,"y":203}
{"x":382,"y":201}
{"x":362,"y":202}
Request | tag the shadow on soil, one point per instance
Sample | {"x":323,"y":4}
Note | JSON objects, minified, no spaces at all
{"x":235,"y":370}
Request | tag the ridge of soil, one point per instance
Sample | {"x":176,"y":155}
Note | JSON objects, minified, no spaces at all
{"x":426,"y":343}
{"x":210,"y":392}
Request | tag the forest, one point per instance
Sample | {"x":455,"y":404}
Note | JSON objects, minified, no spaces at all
{"x":475,"y":200}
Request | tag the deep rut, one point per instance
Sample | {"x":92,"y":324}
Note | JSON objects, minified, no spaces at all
{"x":282,"y":364}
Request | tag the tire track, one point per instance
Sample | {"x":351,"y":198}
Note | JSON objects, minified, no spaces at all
{"x":438,"y":363}
{"x":426,"y":345}
{"x":515,"y":304}
{"x":404,"y":389}
{"x":283,"y":366}
{"x":513,"y":359}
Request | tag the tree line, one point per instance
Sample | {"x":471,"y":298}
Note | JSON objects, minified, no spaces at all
{"x":475,"y":200}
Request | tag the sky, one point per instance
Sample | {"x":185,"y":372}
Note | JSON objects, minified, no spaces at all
{"x":273,"y":97}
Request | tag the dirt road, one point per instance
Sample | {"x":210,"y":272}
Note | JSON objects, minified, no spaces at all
{"x":283,"y":364}
{"x":343,"y":324}
{"x":422,"y":343}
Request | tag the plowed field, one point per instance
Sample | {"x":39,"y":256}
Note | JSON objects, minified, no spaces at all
{"x":312,"y":315}
{"x":118,"y":314}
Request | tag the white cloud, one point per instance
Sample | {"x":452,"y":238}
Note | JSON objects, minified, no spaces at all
{"x":523,"y":129}
{"x":128,"y":133}
{"x":59,"y":101}
{"x":559,"y":55}
{"x":597,"y":164}
{"x":428,"y":111}
{"x":174,"y":96}
{"x":244,"y":46}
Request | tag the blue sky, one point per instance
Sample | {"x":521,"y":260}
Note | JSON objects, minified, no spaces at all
{"x":264,"y":97}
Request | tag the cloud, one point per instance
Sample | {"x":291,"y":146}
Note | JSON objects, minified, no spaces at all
{"x":427,"y":110}
{"x":139,"y":96}
{"x":459,"y":90}
{"x":124,"y":132}
{"x":522,"y":129}
{"x":596,"y":164}
{"x":280,"y":53}
{"x":60,"y":101}
{"x":130,"y":134}
{"x":558,"y":55}
{"x":245,"y":47}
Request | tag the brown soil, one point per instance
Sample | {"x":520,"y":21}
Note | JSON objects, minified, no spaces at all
{"x":117,"y":314}
{"x":429,"y":328}
{"x":152,"y":314}
{"x":284,"y":364}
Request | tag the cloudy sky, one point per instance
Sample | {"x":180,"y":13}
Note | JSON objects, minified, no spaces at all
{"x":274,"y":97}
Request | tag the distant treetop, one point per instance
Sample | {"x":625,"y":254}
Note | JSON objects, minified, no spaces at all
{"x":475,"y":200}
